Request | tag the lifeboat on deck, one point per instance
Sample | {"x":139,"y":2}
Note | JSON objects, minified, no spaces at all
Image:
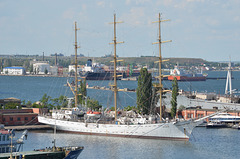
{"x":94,"y":113}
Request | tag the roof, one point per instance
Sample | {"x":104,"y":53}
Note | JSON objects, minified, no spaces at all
{"x":14,"y":67}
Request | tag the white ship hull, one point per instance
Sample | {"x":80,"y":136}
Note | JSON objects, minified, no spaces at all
{"x":177,"y":131}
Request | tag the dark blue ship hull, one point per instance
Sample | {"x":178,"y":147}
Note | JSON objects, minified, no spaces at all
{"x":101,"y":75}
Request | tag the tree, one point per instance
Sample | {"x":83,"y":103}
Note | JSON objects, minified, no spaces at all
{"x":60,"y":102}
{"x":46,"y":71}
{"x":29,"y":103}
{"x":174,"y":97}
{"x":12,"y":105}
{"x":128,"y":108}
{"x":144,"y":91}
{"x":44,"y":101}
{"x":155,"y":99}
{"x":93,"y":104}
{"x":31,"y":69}
{"x":82,"y":91}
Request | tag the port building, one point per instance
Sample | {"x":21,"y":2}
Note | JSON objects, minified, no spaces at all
{"x":14,"y":70}
{"x":41,"y":68}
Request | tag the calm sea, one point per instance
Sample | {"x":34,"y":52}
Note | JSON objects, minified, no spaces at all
{"x":204,"y":143}
{"x":33,"y":88}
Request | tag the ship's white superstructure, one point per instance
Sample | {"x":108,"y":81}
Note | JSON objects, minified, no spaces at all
{"x":225,"y":117}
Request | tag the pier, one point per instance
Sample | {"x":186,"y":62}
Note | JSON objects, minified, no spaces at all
{"x":217,"y":78}
{"x":111,"y":89}
{"x":29,"y":127}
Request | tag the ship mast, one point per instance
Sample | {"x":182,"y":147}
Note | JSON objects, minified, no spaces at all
{"x":76,"y":80}
{"x":159,"y":42}
{"x":115,"y":66}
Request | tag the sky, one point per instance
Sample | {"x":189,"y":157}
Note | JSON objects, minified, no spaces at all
{"x":207,"y":29}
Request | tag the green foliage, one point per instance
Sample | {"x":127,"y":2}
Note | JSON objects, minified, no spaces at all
{"x":31,"y":68}
{"x":60,"y":102}
{"x":23,"y":102}
{"x":112,"y":109}
{"x":93,"y":104}
{"x":155,"y":99}
{"x":128,"y":108}
{"x":45,"y":101}
{"x":46,"y":71}
{"x":182,"y":107}
{"x":174,"y":97}
{"x":29,"y":103}
{"x":82,"y":91}
{"x":12,"y":106}
{"x":83,"y":87}
{"x":144,"y":91}
{"x":48,"y":102}
{"x":35,"y":105}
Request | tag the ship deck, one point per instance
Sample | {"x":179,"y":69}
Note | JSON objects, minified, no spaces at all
{"x":34,"y":155}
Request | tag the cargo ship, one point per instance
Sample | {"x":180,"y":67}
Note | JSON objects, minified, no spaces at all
{"x":95,"y":71}
{"x":182,"y":75}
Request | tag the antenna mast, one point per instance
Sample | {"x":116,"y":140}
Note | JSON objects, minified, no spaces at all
{"x":160,"y":86}
{"x":229,"y":80}
{"x":115,"y":65}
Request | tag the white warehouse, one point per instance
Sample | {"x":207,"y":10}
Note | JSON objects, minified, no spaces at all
{"x":40,"y":68}
{"x":14,"y":70}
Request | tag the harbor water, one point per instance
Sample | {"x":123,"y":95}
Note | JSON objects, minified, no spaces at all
{"x":31,"y":88}
{"x":204,"y":143}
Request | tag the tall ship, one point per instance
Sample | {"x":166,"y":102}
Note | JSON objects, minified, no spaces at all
{"x":182,"y":75}
{"x":129,"y":125}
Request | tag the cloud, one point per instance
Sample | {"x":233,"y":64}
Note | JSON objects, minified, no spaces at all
{"x":236,"y":19}
{"x":135,"y":16}
{"x":101,"y":3}
{"x":212,"y":22}
{"x":68,"y":14}
{"x":127,"y":2}
{"x":195,"y":0}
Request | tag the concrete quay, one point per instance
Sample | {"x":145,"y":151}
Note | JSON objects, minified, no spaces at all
{"x":29,"y":127}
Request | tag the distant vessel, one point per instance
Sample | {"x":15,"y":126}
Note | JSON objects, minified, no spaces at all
{"x":225,"y":118}
{"x":131,"y":125}
{"x":94,"y":71}
{"x":216,"y":124}
{"x":181,"y":75}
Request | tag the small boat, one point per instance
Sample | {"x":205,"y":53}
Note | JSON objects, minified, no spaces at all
{"x":225,"y":118}
{"x":216,"y":124}
{"x":236,"y":126}
{"x":47,"y":153}
{"x":94,"y":113}
{"x":10,"y":148}
{"x":7,"y":141}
